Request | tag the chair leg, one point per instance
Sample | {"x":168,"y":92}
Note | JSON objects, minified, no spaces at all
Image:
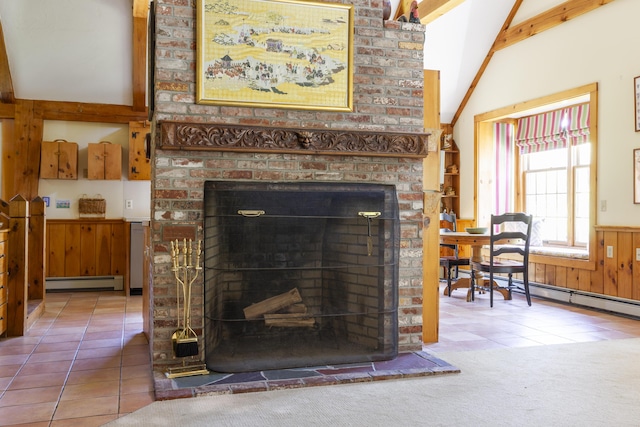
{"x":491,"y":288}
{"x":472,"y":285}
{"x":526,"y":287}
{"x":449,"y":281}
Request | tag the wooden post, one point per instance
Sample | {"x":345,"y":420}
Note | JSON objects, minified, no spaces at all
{"x":18,"y":266}
{"x":37,"y":250}
{"x":431,"y":230}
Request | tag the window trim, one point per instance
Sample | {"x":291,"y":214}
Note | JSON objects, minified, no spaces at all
{"x":483,"y":147}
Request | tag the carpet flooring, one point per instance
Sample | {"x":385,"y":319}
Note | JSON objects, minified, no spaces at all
{"x":579,"y":384}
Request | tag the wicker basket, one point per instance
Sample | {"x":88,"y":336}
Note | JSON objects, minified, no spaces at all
{"x":92,"y":207}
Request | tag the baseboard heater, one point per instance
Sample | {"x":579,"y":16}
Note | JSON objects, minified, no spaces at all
{"x":85,"y":282}
{"x":582,"y":298}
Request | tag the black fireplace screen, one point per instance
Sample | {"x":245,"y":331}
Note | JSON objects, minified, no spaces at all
{"x":299,"y":274}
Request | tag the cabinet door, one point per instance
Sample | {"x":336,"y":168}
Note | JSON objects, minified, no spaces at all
{"x":59,"y":160}
{"x":104,"y":161}
{"x":95,"y":167}
{"x":88,"y":250}
{"x":56,"y":248}
{"x":68,"y":160}
{"x":49,"y":160}
{"x":139,"y":151}
{"x":112,"y":161}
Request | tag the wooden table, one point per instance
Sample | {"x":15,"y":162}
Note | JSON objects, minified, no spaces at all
{"x":477,"y":241}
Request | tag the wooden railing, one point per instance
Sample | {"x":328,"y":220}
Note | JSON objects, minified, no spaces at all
{"x":25,"y":222}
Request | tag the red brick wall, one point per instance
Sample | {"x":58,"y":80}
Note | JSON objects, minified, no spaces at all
{"x":388,"y":81}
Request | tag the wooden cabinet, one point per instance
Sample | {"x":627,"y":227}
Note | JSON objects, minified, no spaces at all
{"x":139,"y":151}
{"x":59,"y":160}
{"x":3,"y":281}
{"x":86,"y":248}
{"x":104,"y":161}
{"x":451,"y":177}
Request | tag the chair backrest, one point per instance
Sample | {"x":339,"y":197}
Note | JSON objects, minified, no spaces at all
{"x":511,"y":234}
{"x":447,"y":225}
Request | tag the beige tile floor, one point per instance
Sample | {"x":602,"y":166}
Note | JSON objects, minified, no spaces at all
{"x":475,"y":325}
{"x":83,"y":363}
{"x":86,"y":361}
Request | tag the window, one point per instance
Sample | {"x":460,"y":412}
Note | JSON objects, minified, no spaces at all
{"x":556,"y":189}
{"x":555,"y":159}
{"x":567,"y":173}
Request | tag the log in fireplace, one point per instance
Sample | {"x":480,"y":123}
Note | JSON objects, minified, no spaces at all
{"x":299,"y":274}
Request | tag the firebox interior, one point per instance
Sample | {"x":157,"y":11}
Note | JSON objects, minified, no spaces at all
{"x":299,"y":274}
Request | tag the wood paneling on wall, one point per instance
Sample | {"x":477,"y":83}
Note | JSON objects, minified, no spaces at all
{"x":618,"y":276}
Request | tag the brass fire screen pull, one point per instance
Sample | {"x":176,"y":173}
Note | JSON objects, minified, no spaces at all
{"x":250,"y":213}
{"x":369,"y":216}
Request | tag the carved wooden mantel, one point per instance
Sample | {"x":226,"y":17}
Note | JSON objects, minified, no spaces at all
{"x":223,"y":137}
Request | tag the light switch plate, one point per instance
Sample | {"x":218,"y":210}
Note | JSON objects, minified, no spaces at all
{"x":609,"y":251}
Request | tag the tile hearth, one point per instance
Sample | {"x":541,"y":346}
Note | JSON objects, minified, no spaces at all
{"x":411,"y":364}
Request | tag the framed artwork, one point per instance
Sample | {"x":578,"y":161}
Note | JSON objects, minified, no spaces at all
{"x":636,"y":94}
{"x":275,"y":54}
{"x":636,"y":175}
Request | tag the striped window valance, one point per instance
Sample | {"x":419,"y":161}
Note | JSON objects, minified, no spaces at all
{"x":553,"y":129}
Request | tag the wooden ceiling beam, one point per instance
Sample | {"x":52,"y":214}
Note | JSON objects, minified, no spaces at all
{"x":6,"y":85}
{"x":546,"y":20}
{"x":85,"y":112}
{"x":510,"y":35}
{"x":139,"y":52}
{"x":430,"y":10}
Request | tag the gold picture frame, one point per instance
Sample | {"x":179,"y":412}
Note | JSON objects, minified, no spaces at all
{"x":275,"y":54}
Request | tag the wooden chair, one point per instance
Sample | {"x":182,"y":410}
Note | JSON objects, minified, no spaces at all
{"x":449,"y":262}
{"x":510,"y":236}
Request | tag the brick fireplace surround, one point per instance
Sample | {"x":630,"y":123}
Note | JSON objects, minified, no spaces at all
{"x":388,"y":98}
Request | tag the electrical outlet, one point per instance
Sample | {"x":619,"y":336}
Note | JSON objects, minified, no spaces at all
{"x":128,"y":204}
{"x":609,"y":251}
{"x":637,"y":254}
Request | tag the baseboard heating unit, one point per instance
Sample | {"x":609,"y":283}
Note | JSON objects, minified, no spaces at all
{"x":115,"y":283}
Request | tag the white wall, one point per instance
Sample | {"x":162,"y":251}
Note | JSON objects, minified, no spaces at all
{"x":115,"y":192}
{"x":598,"y":47}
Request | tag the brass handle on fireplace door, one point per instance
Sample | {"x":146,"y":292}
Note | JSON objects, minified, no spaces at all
{"x":250,"y":213}
{"x":370,"y":214}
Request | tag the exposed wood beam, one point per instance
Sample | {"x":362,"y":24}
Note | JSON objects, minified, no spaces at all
{"x":140,"y":8}
{"x":485,"y":63}
{"x":546,"y":20}
{"x":430,"y":10}
{"x":83,"y":112}
{"x":7,"y":111}
{"x":25,"y":152}
{"x":6,"y":85}
{"x":140,"y":28}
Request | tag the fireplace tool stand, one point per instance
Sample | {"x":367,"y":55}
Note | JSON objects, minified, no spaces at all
{"x":185,"y":340}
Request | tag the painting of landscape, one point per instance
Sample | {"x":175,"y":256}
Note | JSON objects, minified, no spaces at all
{"x":275,"y":54}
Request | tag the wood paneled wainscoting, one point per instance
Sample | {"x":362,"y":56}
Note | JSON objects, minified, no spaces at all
{"x":615,"y":276}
